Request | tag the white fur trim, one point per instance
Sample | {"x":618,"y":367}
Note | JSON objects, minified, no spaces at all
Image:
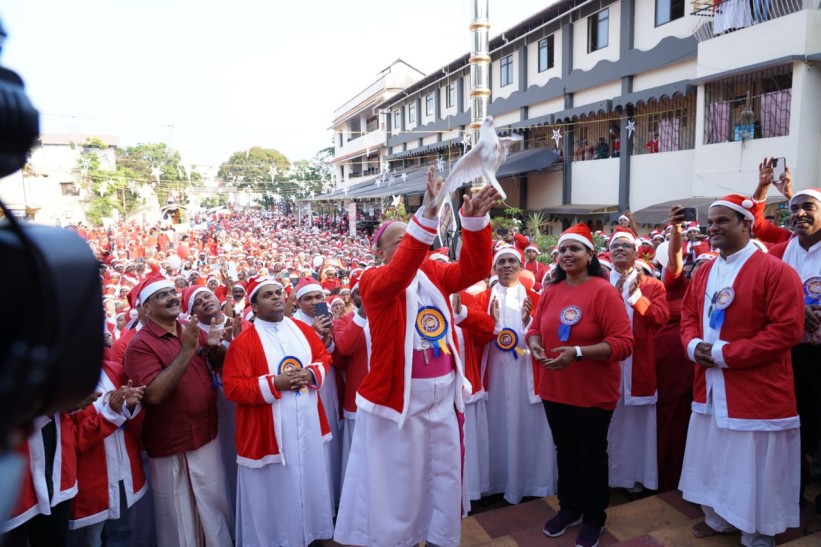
{"x":148,"y":290}
{"x":419,"y":232}
{"x":474,"y":224}
{"x":262,"y":462}
{"x":512,"y":251}
{"x":439,"y":256}
{"x":265,"y":281}
{"x":267,"y":394}
{"x":575,"y":237}
{"x":313,"y":287}
{"x":812,"y":192}
{"x":738,"y":208}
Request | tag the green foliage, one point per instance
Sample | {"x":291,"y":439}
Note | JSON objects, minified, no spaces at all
{"x":545,"y":244}
{"x":253,"y":167}
{"x":95,"y":142}
{"x":144,"y":158}
{"x":213,"y":201}
{"x":509,"y":220}
{"x":534,"y":223}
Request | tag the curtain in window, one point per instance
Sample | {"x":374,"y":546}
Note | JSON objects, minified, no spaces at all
{"x":775,"y":113}
{"x":669,"y":134}
{"x":718,"y":123}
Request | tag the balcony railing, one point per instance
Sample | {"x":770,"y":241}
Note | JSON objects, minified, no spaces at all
{"x":717,"y":17}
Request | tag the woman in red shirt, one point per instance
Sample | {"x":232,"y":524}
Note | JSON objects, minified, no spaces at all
{"x":579,"y":334}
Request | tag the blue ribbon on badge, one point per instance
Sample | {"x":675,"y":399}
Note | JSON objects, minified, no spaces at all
{"x":508,"y":340}
{"x":721,"y":301}
{"x":433,"y":327}
{"x":568,"y":317}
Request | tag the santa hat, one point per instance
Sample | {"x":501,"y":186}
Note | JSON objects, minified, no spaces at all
{"x":256,"y":283}
{"x":353,"y":278}
{"x":532,"y":247}
{"x":554,"y":251}
{"x":737,"y":203}
{"x":693,"y":226}
{"x":499,"y":244}
{"x":440,"y":254}
{"x":306,"y":285}
{"x":239,"y":286}
{"x":645,"y":265}
{"x":709,"y":255}
{"x":604,"y":260}
{"x":625,"y":233}
{"x":580,"y":232}
{"x":189,"y":295}
{"x":508,"y":250}
{"x":493,"y":279}
{"x":812,"y":192}
{"x":344,"y":289}
{"x":151,"y":284}
{"x":656,"y":234}
{"x":336,"y":299}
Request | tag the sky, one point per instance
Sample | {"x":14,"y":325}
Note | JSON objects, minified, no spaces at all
{"x":210,"y":77}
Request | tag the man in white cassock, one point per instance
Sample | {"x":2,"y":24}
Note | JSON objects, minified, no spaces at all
{"x":273,"y":372}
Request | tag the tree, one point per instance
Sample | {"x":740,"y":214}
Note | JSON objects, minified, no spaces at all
{"x":106,"y":190}
{"x":254,"y":167}
{"x":160,"y":166}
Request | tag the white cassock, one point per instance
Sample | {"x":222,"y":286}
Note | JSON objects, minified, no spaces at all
{"x":522,"y":453}
{"x":413,"y":470}
{"x":330,"y":402}
{"x":750,"y":478}
{"x":287,"y":504}
{"x":477,"y":470}
{"x":631,"y":439}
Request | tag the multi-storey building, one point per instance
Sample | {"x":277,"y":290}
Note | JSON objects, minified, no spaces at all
{"x":645,"y":102}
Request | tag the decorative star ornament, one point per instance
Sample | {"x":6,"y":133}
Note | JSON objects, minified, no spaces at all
{"x":396,"y":201}
{"x":391,"y":179}
{"x":385,"y":167}
{"x":404,"y":177}
{"x":466,"y":142}
{"x":440,"y":164}
{"x":379,"y":183}
{"x":557,"y":136}
{"x":631,"y":127}
{"x":155,"y":172}
{"x":85,"y":165}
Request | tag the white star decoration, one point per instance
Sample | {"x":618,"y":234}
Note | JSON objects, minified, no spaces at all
{"x":557,"y":136}
{"x":631,"y":127}
{"x":440,"y":165}
{"x":466,"y":142}
{"x":85,"y":165}
{"x":404,"y":177}
{"x":396,"y":201}
{"x":155,"y":172}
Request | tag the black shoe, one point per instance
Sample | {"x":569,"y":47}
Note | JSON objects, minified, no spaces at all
{"x":588,"y":536}
{"x":559,"y":524}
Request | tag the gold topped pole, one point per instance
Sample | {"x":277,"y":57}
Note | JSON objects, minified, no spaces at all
{"x":479,"y":71}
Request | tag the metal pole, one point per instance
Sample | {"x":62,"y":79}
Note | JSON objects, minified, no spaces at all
{"x":479,"y":70}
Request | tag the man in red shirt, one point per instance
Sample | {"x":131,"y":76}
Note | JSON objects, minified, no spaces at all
{"x":180,"y":427}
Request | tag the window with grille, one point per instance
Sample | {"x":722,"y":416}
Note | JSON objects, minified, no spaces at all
{"x":429,"y":104}
{"x":546,"y":53}
{"x":749,"y":106}
{"x":666,"y":125}
{"x":506,"y":70}
{"x":451,"y":95}
{"x":412,"y":113}
{"x":397,"y":119}
{"x":596,"y":137}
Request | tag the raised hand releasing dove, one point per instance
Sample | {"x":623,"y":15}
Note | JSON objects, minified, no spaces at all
{"x":483,"y":160}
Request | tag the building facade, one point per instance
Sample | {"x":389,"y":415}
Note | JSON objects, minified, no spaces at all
{"x":646,"y":102}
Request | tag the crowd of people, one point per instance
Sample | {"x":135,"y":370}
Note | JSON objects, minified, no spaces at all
{"x":266,"y":383}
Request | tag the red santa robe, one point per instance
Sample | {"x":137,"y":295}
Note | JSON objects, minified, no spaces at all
{"x":521,"y":455}
{"x":34,"y":499}
{"x":743,"y":453}
{"x":403,"y":483}
{"x":109,"y":448}
{"x":283,"y":494}
{"x":538,"y":270}
{"x":631,"y":439}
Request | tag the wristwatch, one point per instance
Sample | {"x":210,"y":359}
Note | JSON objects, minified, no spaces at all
{"x":578,"y":353}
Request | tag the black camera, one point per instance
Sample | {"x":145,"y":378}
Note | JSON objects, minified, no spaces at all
{"x":51,"y":349}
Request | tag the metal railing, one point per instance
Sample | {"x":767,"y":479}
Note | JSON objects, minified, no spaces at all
{"x":717,"y":17}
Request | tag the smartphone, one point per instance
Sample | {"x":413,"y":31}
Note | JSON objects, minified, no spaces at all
{"x":690,"y":214}
{"x":294,"y":281}
{"x":779,"y":168}
{"x":321,"y":309}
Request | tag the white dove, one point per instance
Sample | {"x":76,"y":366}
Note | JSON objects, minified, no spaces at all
{"x":483,"y":160}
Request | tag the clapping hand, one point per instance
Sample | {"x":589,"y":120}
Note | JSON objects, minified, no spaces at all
{"x":565,"y":355}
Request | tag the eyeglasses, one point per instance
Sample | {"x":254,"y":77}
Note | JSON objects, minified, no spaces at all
{"x":165,"y":295}
{"x":625,"y":246}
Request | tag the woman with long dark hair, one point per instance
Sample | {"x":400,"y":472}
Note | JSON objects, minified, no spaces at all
{"x":579,"y":334}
